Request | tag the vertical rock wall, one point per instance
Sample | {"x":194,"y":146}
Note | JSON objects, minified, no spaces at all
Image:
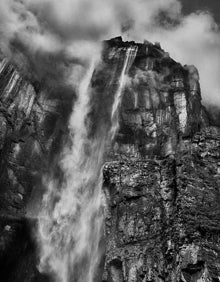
{"x":30,"y":131}
{"x":162,"y":177}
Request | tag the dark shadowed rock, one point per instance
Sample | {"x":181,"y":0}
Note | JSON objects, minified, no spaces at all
{"x":161,"y":176}
{"x":31,"y":130}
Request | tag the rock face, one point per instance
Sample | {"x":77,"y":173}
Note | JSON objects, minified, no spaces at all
{"x":161,"y":176}
{"x":31,"y":128}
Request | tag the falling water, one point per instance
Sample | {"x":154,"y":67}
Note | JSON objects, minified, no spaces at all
{"x":129,"y":59}
{"x":71,"y":220}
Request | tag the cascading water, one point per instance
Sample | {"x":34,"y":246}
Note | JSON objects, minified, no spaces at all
{"x":71,"y":220}
{"x":129,"y":59}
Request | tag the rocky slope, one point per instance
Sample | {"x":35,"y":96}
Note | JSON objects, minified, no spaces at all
{"x":161,"y":176}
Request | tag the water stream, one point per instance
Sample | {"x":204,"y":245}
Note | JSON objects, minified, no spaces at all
{"x":131,"y":53}
{"x":71,"y":219}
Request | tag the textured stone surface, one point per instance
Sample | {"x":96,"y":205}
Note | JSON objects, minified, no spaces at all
{"x":162,"y":180}
{"x":161,"y":177}
{"x":163,"y":215}
{"x":30,"y":129}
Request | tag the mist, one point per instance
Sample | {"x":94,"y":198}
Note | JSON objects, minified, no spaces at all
{"x":54,"y":43}
{"x":71,"y":31}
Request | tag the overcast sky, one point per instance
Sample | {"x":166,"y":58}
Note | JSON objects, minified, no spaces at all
{"x":72,"y":30}
{"x":212,"y":6}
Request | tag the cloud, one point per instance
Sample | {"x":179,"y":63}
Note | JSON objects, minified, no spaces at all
{"x":41,"y":49}
{"x":54,"y":41}
{"x":73,"y":29}
{"x":51,"y":24}
{"x":195,"y":40}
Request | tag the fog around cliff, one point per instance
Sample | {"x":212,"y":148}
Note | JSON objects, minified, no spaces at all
{"x":70,"y":31}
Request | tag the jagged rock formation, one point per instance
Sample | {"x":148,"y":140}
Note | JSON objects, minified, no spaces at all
{"x":161,"y":177}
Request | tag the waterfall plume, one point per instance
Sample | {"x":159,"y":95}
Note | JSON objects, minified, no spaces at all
{"x":129,"y":59}
{"x":71,"y":219}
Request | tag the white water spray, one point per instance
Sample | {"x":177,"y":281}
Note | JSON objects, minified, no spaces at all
{"x":129,"y":59}
{"x":71,"y":220}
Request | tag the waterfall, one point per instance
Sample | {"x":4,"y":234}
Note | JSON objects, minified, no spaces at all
{"x":71,"y":219}
{"x":129,"y":59}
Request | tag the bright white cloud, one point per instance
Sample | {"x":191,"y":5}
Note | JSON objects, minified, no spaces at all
{"x":196,"y":40}
{"x":55,"y":26}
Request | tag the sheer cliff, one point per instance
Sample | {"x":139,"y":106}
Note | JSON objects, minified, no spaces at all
{"x":32,"y":126}
{"x":161,"y":174}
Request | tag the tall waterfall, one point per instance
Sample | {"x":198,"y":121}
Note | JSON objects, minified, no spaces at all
{"x":129,"y":59}
{"x":71,"y":220}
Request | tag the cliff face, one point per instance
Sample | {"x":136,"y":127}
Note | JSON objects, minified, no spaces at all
{"x":161,"y":176}
{"x":30,"y":133}
{"x":163,"y":215}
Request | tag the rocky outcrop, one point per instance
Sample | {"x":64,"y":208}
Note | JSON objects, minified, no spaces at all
{"x":163,"y":221}
{"x":30,"y":133}
{"x":161,"y":176}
